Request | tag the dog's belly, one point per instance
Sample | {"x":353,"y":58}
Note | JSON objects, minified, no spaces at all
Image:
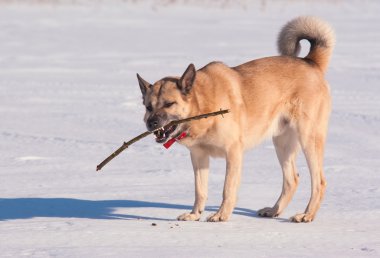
{"x":213,"y":151}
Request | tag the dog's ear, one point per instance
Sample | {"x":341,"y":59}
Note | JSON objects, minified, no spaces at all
{"x":186,"y":81}
{"x":144,"y":85}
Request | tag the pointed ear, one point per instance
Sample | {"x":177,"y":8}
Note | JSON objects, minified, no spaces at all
{"x":144,"y":85}
{"x":186,"y":81}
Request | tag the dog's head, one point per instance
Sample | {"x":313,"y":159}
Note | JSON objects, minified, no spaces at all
{"x":166,"y":100}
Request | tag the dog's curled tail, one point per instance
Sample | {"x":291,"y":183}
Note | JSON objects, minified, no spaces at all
{"x":319,"y":33}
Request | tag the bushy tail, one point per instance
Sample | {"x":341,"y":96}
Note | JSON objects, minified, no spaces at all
{"x":319,"y":33}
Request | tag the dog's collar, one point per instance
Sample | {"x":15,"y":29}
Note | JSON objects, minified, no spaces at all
{"x":173,"y":140}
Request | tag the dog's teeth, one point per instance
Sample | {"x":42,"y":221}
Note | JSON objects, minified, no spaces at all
{"x":159,"y":133}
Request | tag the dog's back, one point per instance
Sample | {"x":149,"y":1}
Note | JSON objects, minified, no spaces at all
{"x":281,"y":89}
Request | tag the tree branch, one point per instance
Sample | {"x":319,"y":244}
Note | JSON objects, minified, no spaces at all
{"x":137,"y":138}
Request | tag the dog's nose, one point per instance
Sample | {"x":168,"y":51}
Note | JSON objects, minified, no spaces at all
{"x":152,"y":123}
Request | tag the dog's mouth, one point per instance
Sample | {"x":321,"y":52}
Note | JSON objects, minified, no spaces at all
{"x":163,"y":134}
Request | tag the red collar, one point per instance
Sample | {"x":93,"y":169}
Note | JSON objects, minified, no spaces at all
{"x":173,"y":140}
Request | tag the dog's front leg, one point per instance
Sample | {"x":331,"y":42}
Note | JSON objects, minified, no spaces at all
{"x":234,"y":161}
{"x":200,"y":161}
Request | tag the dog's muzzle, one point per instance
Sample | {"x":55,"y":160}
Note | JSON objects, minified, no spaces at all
{"x":163,"y":134}
{"x":157,"y":122}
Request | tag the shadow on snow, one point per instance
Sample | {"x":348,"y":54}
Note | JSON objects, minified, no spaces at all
{"x":26,"y":208}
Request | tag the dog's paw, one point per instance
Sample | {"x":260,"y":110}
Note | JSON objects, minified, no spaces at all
{"x":302,"y":217}
{"x":217,"y":217}
{"x":268,"y":212}
{"x":189,"y":217}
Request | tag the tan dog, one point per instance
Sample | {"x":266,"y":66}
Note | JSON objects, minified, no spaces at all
{"x":285,"y":97}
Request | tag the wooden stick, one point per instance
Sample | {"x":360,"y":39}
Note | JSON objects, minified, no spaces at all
{"x":137,"y":138}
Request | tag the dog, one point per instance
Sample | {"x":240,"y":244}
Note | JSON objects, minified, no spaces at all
{"x":284,"y":97}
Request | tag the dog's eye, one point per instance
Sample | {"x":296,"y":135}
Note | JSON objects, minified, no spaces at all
{"x":149,"y":108}
{"x":169,"y":104}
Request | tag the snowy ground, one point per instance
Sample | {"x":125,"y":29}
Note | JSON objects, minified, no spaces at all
{"x":69,"y":97}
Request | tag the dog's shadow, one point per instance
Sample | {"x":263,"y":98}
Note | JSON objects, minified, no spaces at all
{"x":26,"y":208}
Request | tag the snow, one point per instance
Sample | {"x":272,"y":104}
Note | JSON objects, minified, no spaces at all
{"x":69,"y":97}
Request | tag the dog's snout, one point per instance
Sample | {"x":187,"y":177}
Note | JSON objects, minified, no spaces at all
{"x":152,"y":123}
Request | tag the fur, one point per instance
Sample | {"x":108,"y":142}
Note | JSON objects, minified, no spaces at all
{"x":316,"y":31}
{"x":284,"y":97}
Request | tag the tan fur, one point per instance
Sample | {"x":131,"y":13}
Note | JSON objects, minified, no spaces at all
{"x":283,"y":97}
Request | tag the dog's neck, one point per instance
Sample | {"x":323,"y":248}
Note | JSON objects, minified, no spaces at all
{"x":200,"y":105}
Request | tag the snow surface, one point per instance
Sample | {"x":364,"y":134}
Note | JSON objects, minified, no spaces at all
{"x":69,"y":97}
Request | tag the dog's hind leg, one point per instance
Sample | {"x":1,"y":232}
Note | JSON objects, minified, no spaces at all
{"x":200,"y":162}
{"x":312,"y":138}
{"x":287,"y":147}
